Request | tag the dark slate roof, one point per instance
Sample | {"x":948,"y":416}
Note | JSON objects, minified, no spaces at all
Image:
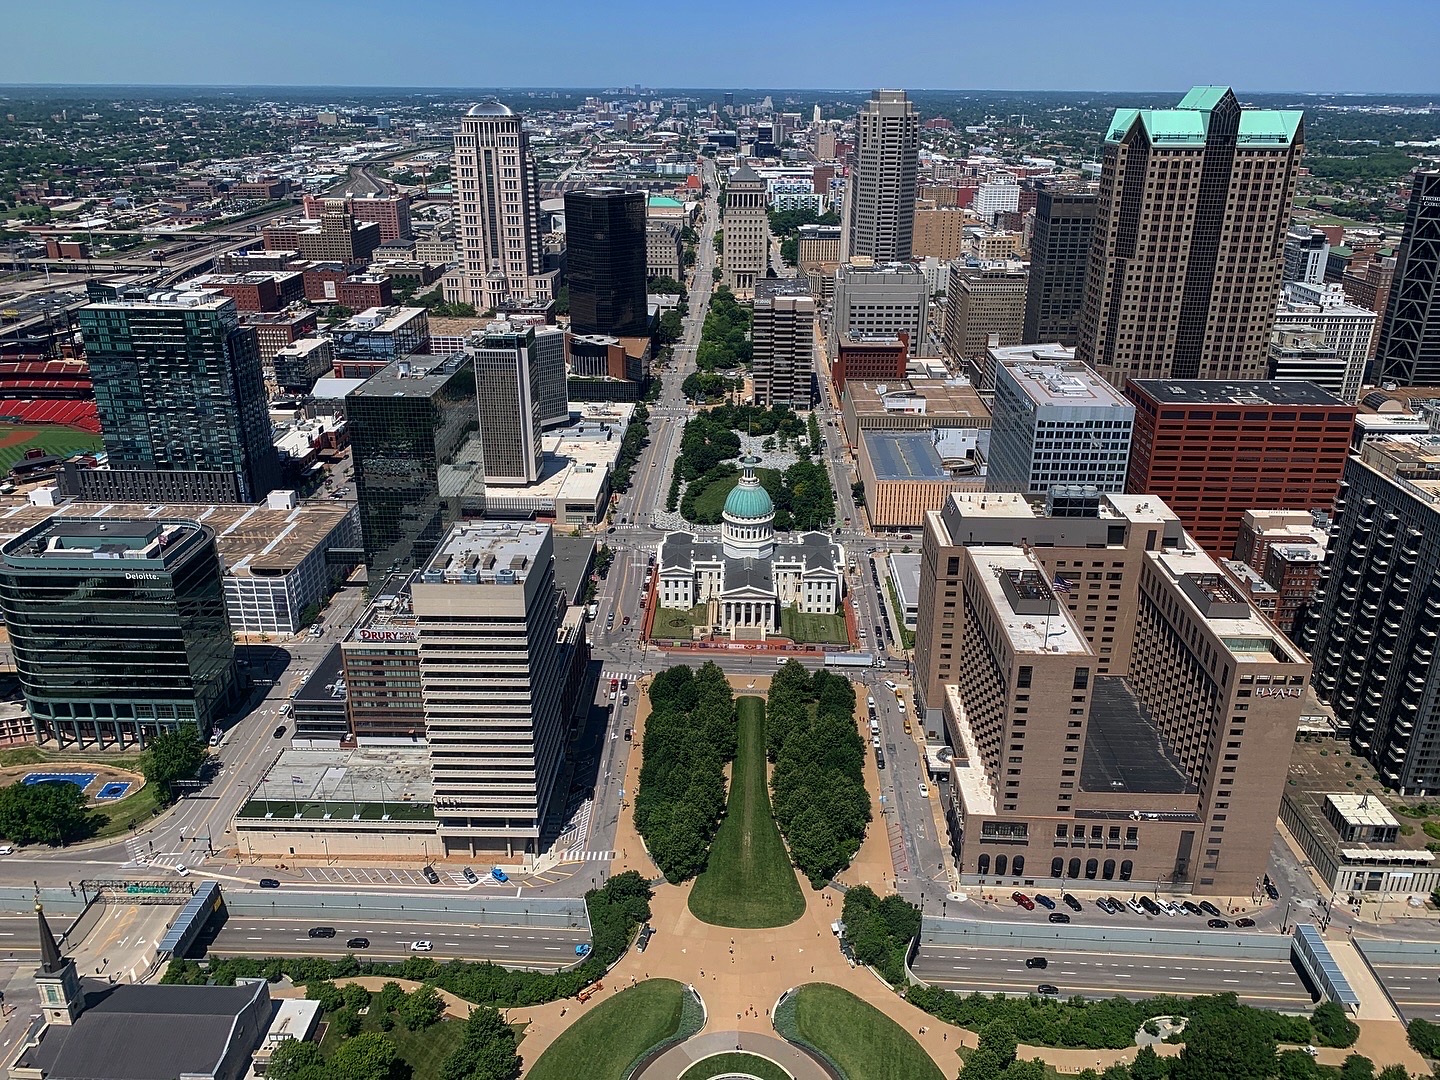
{"x":813,"y":550}
{"x":139,"y":1032}
{"x":1124,"y":751}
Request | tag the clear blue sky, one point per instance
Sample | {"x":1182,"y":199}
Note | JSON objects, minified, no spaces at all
{"x":1254,"y":45}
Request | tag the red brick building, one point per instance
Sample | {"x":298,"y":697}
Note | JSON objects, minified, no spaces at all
{"x":276,"y":329}
{"x":390,"y":212}
{"x":871,"y":359}
{"x":361,"y":291}
{"x":1213,"y":449}
{"x":251,"y":292}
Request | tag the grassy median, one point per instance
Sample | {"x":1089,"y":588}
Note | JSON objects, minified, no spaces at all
{"x":748,"y":882}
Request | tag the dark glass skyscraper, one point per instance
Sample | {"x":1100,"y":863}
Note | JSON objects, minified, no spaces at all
{"x":419,"y":460}
{"x":181,"y":398}
{"x":605,"y":253}
{"x":1409,"y":350}
{"x":1059,"y":253}
{"x":118,"y":627}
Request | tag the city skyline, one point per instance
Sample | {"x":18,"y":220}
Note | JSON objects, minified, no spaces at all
{"x":183,"y":46}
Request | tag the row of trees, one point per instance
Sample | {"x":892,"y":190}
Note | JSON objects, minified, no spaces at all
{"x":725,"y":335}
{"x":880,"y":931}
{"x":818,"y":783}
{"x":1111,"y":1023}
{"x":637,"y":437}
{"x":615,"y":910}
{"x":706,"y":385}
{"x":689,"y":736}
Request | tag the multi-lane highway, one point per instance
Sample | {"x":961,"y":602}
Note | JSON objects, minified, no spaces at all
{"x":1271,"y":983}
{"x":1414,"y":988}
{"x":513,"y":946}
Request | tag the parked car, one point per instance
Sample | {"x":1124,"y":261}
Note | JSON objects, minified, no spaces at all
{"x":1104,"y":905}
{"x":322,"y":931}
{"x":1070,"y":902}
{"x":1149,"y":906}
{"x":1245,"y":923}
{"x":1023,"y":900}
{"x":358,"y":943}
{"x":269,"y":883}
{"x":1037,"y":962}
{"x":1271,"y":891}
{"x":431,"y":876}
{"x":1217,"y":924}
{"x":1058,"y":917}
{"x":1209,"y":909}
{"x":1191,"y":907}
{"x":1116,"y":907}
{"x":646,"y":933}
{"x":1134,"y":905}
{"x":499,"y":875}
{"x":422,"y":946}
{"x":470,"y":875}
{"x":1048,"y":989}
{"x":879,"y":760}
{"x":1045,"y":902}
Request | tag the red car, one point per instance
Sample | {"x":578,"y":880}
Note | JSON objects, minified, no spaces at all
{"x":1023,"y":900}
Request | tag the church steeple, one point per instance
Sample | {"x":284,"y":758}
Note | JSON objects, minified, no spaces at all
{"x":61,"y":998}
{"x":51,"y":962}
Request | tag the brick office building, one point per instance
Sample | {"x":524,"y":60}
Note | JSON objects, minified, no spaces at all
{"x":879,"y":358}
{"x":1214,"y":449}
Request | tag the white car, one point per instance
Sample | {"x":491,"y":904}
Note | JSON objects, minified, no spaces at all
{"x":875,"y":741}
{"x":891,"y":685}
{"x":422,"y":946}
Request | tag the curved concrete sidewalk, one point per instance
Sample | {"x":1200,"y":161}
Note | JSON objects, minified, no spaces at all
{"x":681,"y":1056}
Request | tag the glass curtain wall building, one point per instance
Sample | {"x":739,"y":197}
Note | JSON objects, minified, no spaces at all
{"x":606,"y":260}
{"x":419,"y":460}
{"x":118,"y":628}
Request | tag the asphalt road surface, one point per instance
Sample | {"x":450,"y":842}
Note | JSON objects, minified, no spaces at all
{"x":1415,"y":989}
{"x":1271,"y":984}
{"x":512,"y":946}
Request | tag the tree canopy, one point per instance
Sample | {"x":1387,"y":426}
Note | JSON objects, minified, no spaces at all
{"x":689,"y":736}
{"x":171,"y":756}
{"x":47,"y":813}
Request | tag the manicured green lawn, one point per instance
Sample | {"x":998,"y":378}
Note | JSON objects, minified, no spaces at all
{"x":814,"y":628}
{"x":137,"y":808}
{"x":51,"y":438}
{"x":710,"y":502}
{"x":725,"y":1064}
{"x":672,"y":623}
{"x":748,"y":881}
{"x":424,"y":1051}
{"x":863,"y":1041}
{"x":604,"y":1043}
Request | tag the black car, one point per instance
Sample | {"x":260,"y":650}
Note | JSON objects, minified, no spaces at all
{"x":322,"y":931}
{"x":646,"y":933}
{"x":1271,"y":891}
{"x":431,"y":876}
{"x":1058,"y":917}
{"x":1149,"y":906}
{"x":358,"y":943}
{"x":1217,"y":924}
{"x":1037,"y":962}
{"x":269,"y":883}
{"x":1209,"y":909}
{"x":1245,"y":923}
{"x":1071,"y":902}
{"x":1048,"y":989}
{"x":280,"y":732}
{"x":1192,"y":908}
{"x":879,"y":760}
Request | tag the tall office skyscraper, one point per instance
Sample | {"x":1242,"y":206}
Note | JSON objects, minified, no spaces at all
{"x":508,"y":391}
{"x":1059,"y":254}
{"x":419,"y":459}
{"x":784,"y":339}
{"x":747,"y":231}
{"x":181,"y":398}
{"x":487,"y":612}
{"x":605,"y":257}
{"x":497,"y":213}
{"x":1186,"y":253}
{"x":880,"y":189}
{"x":1409,"y":351}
